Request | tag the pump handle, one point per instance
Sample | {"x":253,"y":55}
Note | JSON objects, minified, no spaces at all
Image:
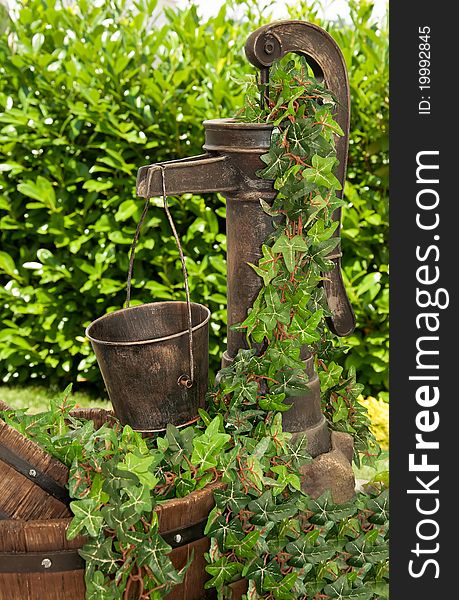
{"x":270,"y":43}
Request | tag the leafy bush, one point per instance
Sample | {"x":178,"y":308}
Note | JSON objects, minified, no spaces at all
{"x":90,"y":92}
{"x":365,"y":223}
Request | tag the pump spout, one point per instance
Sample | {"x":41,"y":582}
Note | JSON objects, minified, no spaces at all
{"x":201,"y":174}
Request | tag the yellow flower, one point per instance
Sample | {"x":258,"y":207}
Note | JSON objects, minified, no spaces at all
{"x":378,"y":412}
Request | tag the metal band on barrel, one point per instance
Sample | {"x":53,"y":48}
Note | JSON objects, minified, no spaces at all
{"x":41,"y":562}
{"x":44,"y":481}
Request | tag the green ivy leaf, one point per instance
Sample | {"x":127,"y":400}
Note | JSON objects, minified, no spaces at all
{"x":299,"y":135}
{"x":326,"y":122}
{"x":141,"y":467}
{"x":98,"y":587}
{"x":325,"y":510}
{"x":243,"y":546}
{"x":283,"y":589}
{"x":220,"y":527}
{"x":117,"y":518}
{"x":379,"y":507}
{"x":304,"y":551}
{"x":291,"y":382}
{"x":266,"y":510}
{"x":116,"y":478}
{"x":362,"y":551}
{"x":153,"y":554}
{"x":297,"y":452}
{"x":306,"y":330}
{"x":285,"y":478}
{"x":276,"y":162}
{"x":207,"y":446}
{"x":340,"y":410}
{"x":233,"y":497}
{"x":274,"y":402}
{"x":227,"y":465}
{"x":100,"y":552}
{"x":267,"y":267}
{"x":96,"y":490}
{"x":79,"y":485}
{"x":330,"y":376}
{"x":222,"y":571}
{"x":288,"y":247}
{"x":139,"y":500}
{"x":86,"y":518}
{"x":320,"y":233}
{"x":183,"y":487}
{"x":321,"y":172}
{"x":180,"y":443}
{"x":341,"y":590}
{"x":258,"y":570}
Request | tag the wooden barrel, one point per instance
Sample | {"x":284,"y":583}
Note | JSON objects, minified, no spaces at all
{"x":181,"y":523}
{"x":4,"y":406}
{"x":37,"y":562}
{"x":32,"y":483}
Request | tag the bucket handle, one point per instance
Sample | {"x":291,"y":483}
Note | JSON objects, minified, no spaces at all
{"x":185,"y":380}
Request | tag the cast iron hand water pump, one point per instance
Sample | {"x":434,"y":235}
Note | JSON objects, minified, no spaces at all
{"x":229,"y":166}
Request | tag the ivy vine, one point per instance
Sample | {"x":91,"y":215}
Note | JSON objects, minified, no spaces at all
{"x":291,"y":309}
{"x":263,"y":528}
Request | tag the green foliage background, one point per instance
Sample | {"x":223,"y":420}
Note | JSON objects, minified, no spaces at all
{"x":89,"y":93}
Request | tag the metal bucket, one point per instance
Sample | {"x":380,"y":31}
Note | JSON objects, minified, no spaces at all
{"x":143,"y":354}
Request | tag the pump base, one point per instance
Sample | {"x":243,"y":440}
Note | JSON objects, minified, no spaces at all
{"x":332,"y":471}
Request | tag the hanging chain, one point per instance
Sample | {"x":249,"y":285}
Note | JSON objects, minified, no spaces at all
{"x":185,"y":380}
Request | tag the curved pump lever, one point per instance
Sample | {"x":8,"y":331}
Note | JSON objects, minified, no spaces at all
{"x":270,"y":43}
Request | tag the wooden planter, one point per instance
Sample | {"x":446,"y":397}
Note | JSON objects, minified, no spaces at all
{"x":37,"y":562}
{"x":32,"y":483}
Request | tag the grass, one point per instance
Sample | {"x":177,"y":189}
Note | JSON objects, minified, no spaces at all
{"x":36,"y":398}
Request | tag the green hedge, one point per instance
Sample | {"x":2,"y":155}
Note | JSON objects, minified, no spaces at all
{"x":90,"y":92}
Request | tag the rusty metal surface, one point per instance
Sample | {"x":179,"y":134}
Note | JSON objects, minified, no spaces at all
{"x":305,"y":415}
{"x":247,"y":227}
{"x":273,"y":41}
{"x":204,"y":173}
{"x":142,"y":352}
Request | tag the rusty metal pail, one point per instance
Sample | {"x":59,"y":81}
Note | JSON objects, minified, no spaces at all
{"x":143,"y":352}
